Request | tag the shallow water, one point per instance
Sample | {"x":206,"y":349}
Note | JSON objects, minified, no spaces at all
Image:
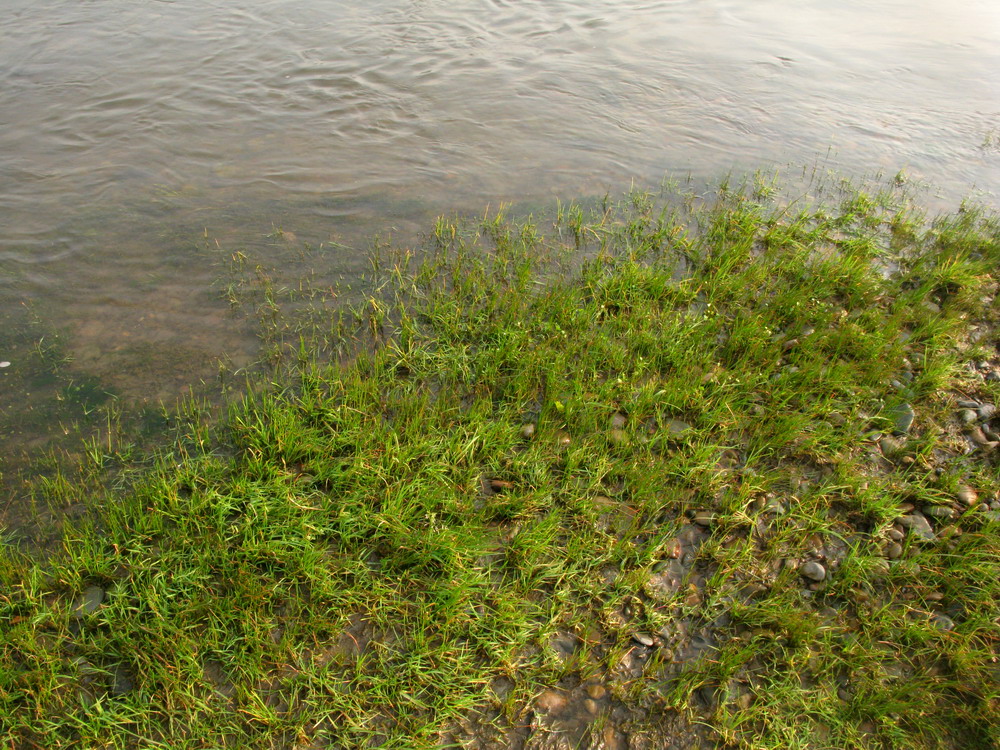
{"x":142,"y":143}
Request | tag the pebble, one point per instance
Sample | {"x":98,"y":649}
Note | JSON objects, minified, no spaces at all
{"x":919,"y":526}
{"x":943,"y":622}
{"x":966,"y":496}
{"x":813,"y":571}
{"x":643,"y":639}
{"x":89,"y":601}
{"x":704,"y":517}
{"x":5,"y":364}
{"x":618,"y":420}
{"x":993,"y":376}
{"x":528,"y":431}
{"x":551,"y":701}
{"x":939,"y":511}
{"x":894,"y":551}
{"x":895,"y":534}
{"x":986,"y":412}
{"x":676,"y":428}
{"x":890,"y":446}
{"x":590,"y":705}
{"x":966,"y":404}
{"x":967,"y":416}
{"x":596,"y":691}
{"x":902,"y":417}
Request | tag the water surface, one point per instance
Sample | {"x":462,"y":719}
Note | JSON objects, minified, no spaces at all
{"x":142,"y":143}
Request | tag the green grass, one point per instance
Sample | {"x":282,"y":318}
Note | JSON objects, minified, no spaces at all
{"x":491,"y":502}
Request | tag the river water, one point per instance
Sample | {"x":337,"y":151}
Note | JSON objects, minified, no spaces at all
{"x":133,"y":136}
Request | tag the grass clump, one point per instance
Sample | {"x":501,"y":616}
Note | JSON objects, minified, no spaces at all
{"x":665,"y":474}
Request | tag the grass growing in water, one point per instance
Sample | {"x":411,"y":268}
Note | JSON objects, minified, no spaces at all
{"x":652,"y":499}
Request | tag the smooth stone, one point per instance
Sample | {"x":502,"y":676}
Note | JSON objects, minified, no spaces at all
{"x":902,"y":418}
{"x":618,"y":420}
{"x":551,"y":701}
{"x":976,"y":436}
{"x":89,"y":601}
{"x":986,"y":411}
{"x":967,"y":416}
{"x":813,"y":571}
{"x":966,"y":404}
{"x":992,"y":376}
{"x":704,"y":517}
{"x":895,"y":534}
{"x":894,"y":551}
{"x":528,"y":431}
{"x":676,"y":428}
{"x":643,"y":640}
{"x":966,"y":496}
{"x":919,"y":526}
{"x":939,"y":511}
{"x":891,"y":447}
{"x":5,"y":364}
{"x":943,"y":622}
{"x":596,"y":691}
{"x":590,"y":706}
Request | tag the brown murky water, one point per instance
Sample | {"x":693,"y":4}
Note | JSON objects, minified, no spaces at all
{"x":142,"y":143}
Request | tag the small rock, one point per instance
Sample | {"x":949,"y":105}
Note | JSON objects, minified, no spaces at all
{"x":643,"y":640}
{"x":618,"y":420}
{"x":843,"y":695}
{"x":528,"y":431}
{"x":902,"y":418}
{"x":894,"y":550}
{"x":986,"y":412}
{"x":596,"y":691}
{"x":967,"y":416}
{"x":966,"y":495}
{"x":976,"y":436}
{"x":551,"y":701}
{"x":966,"y":404}
{"x":919,"y":526}
{"x":895,"y":534}
{"x":676,"y":428}
{"x":993,"y":516}
{"x":590,"y":706}
{"x":775,"y":506}
{"x":939,"y":511}
{"x":4,"y":364}
{"x":982,"y":507}
{"x":704,"y":517}
{"x":89,"y":601}
{"x":744,"y":701}
{"x":813,"y":571}
{"x":891,"y":447}
{"x":943,"y":622}
{"x":992,"y":376}
{"x":122,"y":682}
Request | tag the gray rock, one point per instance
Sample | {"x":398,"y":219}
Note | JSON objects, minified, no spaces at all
{"x":967,"y":416}
{"x":943,"y":622}
{"x":986,"y":412}
{"x":993,"y":376}
{"x":528,"y":431}
{"x":891,"y":447}
{"x":895,"y":534}
{"x":993,"y":516}
{"x":902,"y":418}
{"x":643,"y":639}
{"x":939,"y":511}
{"x":618,"y":420}
{"x":967,"y":404}
{"x":894,"y":550}
{"x":676,"y":428}
{"x":813,"y":571}
{"x":88,"y":602}
{"x":919,"y":526}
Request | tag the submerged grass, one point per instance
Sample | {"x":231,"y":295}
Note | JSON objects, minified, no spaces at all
{"x":677,"y":473}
